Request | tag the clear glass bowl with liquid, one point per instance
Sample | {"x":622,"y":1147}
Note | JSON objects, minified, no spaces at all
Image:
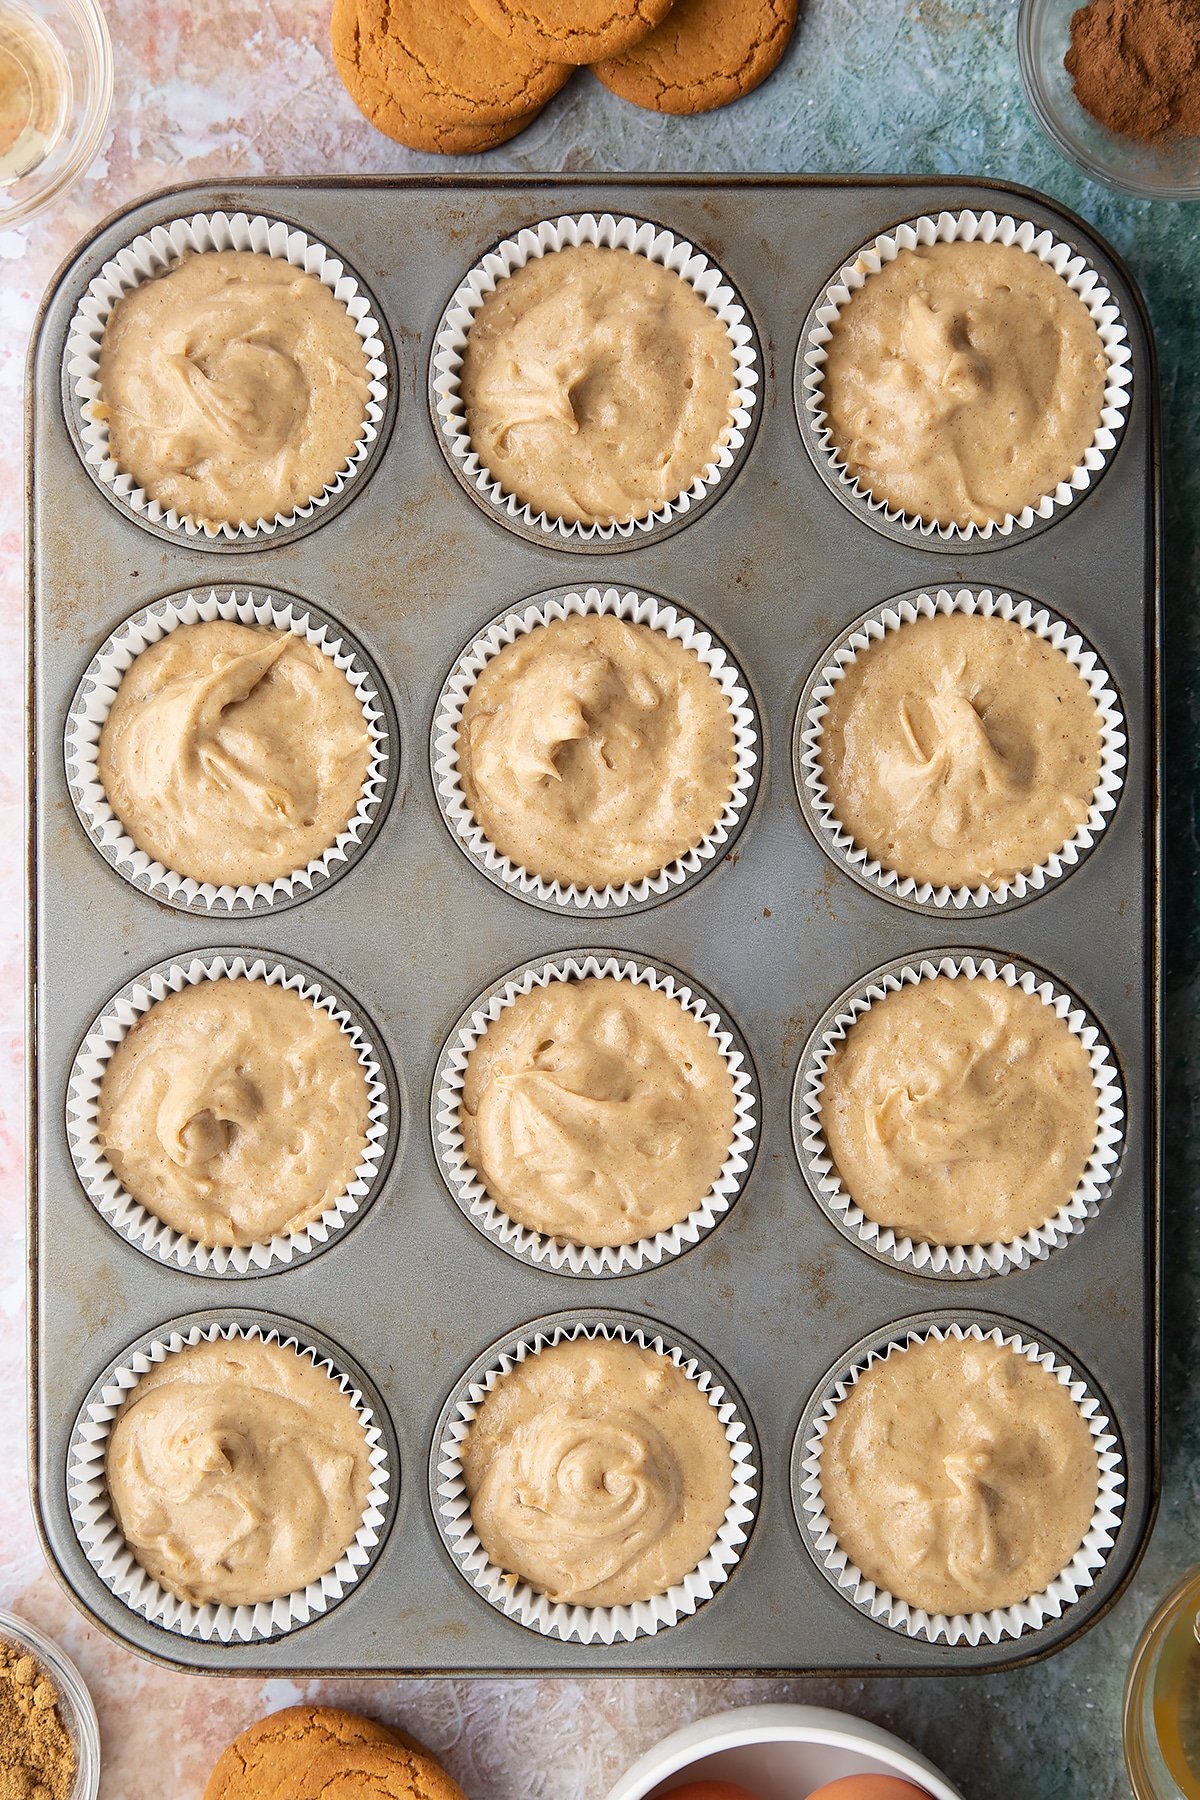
{"x":1161,"y":1726}
{"x":56,"y":81}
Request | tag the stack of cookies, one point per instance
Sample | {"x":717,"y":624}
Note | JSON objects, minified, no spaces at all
{"x":307,"y":1750}
{"x":458,"y":76}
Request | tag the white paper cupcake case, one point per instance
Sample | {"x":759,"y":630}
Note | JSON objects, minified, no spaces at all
{"x":966,"y":227}
{"x":93,"y":701}
{"x":903,"y":610}
{"x":110,"y":1556}
{"x":534,"y":1247}
{"x":608,"y":232}
{"x":980,"y":1259}
{"x":149,"y":255}
{"x":636,"y":608}
{"x":516,"y":1599}
{"x":135,"y":1222}
{"x":958,"y":1628}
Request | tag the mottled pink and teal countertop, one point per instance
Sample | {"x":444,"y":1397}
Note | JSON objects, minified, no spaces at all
{"x":211,"y":88}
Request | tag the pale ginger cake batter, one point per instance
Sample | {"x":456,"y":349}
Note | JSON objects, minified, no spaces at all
{"x":235,"y":1111}
{"x":598,"y":1472}
{"x":961,"y":750}
{"x":592,"y":750}
{"x":963,"y":382}
{"x":597,"y":1111}
{"x":238,"y":1472}
{"x":959,"y":1476}
{"x":234,"y":754}
{"x":234,"y":386}
{"x":959,"y":1111}
{"x":597,"y":385}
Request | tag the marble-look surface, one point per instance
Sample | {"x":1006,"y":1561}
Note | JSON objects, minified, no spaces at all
{"x":209,"y":88}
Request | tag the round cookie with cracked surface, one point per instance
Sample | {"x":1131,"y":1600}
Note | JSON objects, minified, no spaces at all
{"x":435,"y":77}
{"x":573,"y":31}
{"x":308,"y":1750}
{"x":704,"y":54}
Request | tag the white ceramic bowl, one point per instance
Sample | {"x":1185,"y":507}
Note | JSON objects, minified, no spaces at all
{"x":779,"y":1753}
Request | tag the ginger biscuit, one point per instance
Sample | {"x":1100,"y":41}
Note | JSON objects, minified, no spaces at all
{"x":705,"y":54}
{"x":306,"y":1750}
{"x":435,"y":77}
{"x":572,"y":31}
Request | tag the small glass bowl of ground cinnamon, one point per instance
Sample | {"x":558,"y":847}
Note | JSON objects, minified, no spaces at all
{"x":49,"y":1738}
{"x":1116,"y":85}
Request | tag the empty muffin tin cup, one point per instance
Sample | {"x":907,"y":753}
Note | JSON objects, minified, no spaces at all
{"x":915,"y":1254}
{"x":143,"y":1228}
{"x":636,"y":609}
{"x":964,"y":227}
{"x":876,"y":1602}
{"x":535,"y":1247}
{"x":837,"y":841}
{"x":613,"y":233}
{"x":100,"y":1535}
{"x":515,"y":1597}
{"x":152,"y":253}
{"x":97,"y":691}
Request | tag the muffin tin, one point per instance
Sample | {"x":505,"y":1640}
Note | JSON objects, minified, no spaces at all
{"x":773,"y":931}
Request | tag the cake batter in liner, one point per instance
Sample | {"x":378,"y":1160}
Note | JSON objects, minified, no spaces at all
{"x":98,"y":689}
{"x":515,"y":1598}
{"x":958,"y":1628}
{"x":836,"y":840}
{"x":638,"y":609}
{"x":914,"y":1254}
{"x":143,"y":1228}
{"x":109,"y":1555}
{"x":149,"y":255}
{"x":535,"y":1247}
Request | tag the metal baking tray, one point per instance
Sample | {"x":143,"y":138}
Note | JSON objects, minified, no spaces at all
{"x":774,"y":931}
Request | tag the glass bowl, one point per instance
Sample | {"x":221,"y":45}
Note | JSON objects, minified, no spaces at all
{"x":1169,"y":170}
{"x":74,"y":1701}
{"x":56,"y":83}
{"x":1161,"y":1723}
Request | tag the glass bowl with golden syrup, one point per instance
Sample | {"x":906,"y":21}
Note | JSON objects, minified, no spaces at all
{"x":1161,"y":1724}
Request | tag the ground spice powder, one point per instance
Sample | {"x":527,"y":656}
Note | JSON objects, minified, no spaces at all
{"x":37,"y":1757}
{"x":1135,"y":65}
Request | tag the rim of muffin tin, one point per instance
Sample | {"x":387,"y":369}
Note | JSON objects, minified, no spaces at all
{"x":957,"y":1262}
{"x":1072,"y":262}
{"x":280,"y":611}
{"x":1026,"y":1618}
{"x":99,"y":1536}
{"x":513,"y":1597}
{"x":635,"y":606}
{"x":143,"y":1229}
{"x":904,"y":890}
{"x":645,"y":237}
{"x":165,"y":243}
{"x":536,"y":1248}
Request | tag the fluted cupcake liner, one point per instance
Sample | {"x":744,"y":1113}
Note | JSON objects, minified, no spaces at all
{"x":898,"y":1615}
{"x":535,"y":1247}
{"x":150,"y":254}
{"x":516,"y":1598}
{"x":915,"y":1254}
{"x":93,"y":701}
{"x":608,"y":232}
{"x":100,"y":1535}
{"x":638,"y":609}
{"x":966,"y":227}
{"x":904,"y":609}
{"x":143,"y":1228}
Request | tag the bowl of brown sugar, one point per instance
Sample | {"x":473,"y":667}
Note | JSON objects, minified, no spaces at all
{"x":49,"y":1738}
{"x":1115,"y":84}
